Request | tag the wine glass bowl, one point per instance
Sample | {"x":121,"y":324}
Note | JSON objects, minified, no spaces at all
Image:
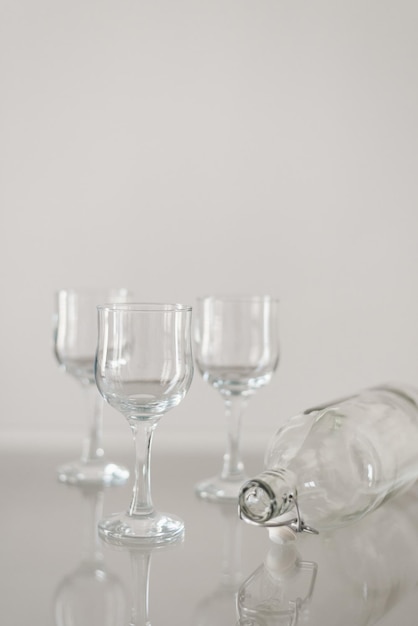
{"x":75,"y":340}
{"x":237,"y":352}
{"x":144,"y":368}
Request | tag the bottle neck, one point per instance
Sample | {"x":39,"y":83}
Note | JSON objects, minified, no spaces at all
{"x":271,"y":494}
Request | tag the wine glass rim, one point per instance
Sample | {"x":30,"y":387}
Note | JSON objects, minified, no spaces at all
{"x":161,"y":307}
{"x":239,"y":298}
{"x":85,"y":291}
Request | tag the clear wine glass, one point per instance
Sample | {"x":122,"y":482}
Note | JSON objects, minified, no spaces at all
{"x":144,"y":368}
{"x":75,"y":340}
{"x":237,"y":352}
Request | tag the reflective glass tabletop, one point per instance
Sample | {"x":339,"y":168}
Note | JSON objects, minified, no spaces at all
{"x":57,"y":572}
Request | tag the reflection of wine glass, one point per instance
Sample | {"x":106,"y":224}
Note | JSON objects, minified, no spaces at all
{"x":144,"y":367}
{"x":237,"y":351}
{"x":90,"y":594}
{"x":140,"y":557}
{"x":220,"y":606}
{"x":75,"y":336}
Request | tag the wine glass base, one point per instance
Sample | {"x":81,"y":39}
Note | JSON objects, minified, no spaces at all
{"x":125,"y":529}
{"x":220,"y":489}
{"x":98,"y":472}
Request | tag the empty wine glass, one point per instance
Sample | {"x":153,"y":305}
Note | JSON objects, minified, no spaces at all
{"x":75,"y":340}
{"x":144,"y":367}
{"x":237,"y":352}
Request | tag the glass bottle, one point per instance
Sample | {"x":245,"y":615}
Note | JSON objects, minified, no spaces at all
{"x":333,"y":464}
{"x":353,"y":575}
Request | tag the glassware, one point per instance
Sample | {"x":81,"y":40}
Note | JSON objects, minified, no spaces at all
{"x":237,"y":352}
{"x":333,"y":464}
{"x":75,"y":340}
{"x":352,"y":575}
{"x":144,"y":368}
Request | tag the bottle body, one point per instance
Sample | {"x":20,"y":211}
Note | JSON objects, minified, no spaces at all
{"x":338,"y":462}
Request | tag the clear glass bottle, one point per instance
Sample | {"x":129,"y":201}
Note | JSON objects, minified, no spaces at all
{"x":332,"y":464}
{"x":353,"y":575}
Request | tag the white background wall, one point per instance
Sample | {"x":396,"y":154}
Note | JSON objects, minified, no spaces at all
{"x":187,"y":147}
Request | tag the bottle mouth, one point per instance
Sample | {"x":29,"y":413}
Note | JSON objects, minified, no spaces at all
{"x":257,"y":502}
{"x":260,"y":505}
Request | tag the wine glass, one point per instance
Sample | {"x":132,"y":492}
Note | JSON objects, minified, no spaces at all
{"x":75,"y":340}
{"x":237,"y":352}
{"x":144,"y":368}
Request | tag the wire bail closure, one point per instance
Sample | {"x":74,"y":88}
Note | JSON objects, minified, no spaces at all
{"x":295,"y":523}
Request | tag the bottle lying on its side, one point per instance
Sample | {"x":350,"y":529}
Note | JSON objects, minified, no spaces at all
{"x":335,"y":463}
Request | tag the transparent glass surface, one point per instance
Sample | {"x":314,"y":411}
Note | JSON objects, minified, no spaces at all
{"x":144,"y":368}
{"x":75,"y":340}
{"x":56,"y":567}
{"x":236,"y":351}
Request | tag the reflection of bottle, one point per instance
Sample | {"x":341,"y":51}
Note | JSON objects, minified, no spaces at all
{"x":336,"y":463}
{"x":278,"y":591}
{"x":355,"y":574}
{"x":90,"y":594}
{"x":220,"y":606}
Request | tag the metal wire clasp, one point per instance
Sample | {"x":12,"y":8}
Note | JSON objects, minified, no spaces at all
{"x":295,"y":523}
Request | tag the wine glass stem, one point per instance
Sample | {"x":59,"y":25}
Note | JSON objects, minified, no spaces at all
{"x":92,"y":445}
{"x":142,"y":431}
{"x":233,"y":467}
